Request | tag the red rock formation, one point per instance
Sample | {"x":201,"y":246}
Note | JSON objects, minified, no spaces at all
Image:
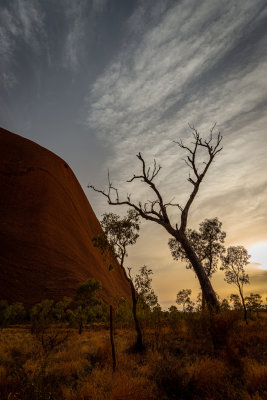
{"x":46,"y":228}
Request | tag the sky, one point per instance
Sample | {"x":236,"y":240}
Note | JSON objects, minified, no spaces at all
{"x":97,"y":81}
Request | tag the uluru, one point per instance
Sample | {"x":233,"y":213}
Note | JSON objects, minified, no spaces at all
{"x":46,"y":228}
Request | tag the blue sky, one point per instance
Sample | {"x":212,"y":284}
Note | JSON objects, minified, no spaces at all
{"x":98,"y":81}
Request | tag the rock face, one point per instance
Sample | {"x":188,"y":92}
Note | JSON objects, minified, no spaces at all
{"x":46,"y":228}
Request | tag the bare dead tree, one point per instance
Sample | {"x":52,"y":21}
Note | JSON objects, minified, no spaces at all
{"x":157,"y":210}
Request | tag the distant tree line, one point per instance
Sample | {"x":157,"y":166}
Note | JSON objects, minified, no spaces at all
{"x":81,"y":311}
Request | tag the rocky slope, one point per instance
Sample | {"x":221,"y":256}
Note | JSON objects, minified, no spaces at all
{"x":46,"y":228}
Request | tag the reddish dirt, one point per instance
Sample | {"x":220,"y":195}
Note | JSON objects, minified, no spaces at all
{"x":46,"y":228}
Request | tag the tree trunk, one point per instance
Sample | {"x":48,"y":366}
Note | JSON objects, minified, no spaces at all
{"x":207,"y":290}
{"x":111,"y":334}
{"x":203,"y":305}
{"x":139,"y":346}
{"x":244,"y":306}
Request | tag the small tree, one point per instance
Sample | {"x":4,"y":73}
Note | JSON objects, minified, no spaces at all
{"x":144,"y":289}
{"x":254,"y":303}
{"x":225,"y":306}
{"x":207,"y":244}
{"x":119,"y":233}
{"x":200,"y":154}
{"x":60,"y":309}
{"x":87,"y":293}
{"x":42,"y":316}
{"x":43,"y":319}
{"x":86,"y":297}
{"x":14,"y":313}
{"x":235,"y":301}
{"x":183,"y":298}
{"x":236,"y":259}
{"x":173,"y":316}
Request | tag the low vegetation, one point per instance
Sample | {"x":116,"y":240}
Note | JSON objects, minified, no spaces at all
{"x":189,"y":354}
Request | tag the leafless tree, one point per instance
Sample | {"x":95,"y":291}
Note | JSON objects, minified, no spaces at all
{"x":157,"y":210}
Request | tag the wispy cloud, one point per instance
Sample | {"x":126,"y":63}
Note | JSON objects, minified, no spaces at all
{"x":145,"y":81}
{"x":75,"y":33}
{"x":21,"y":22}
{"x":196,"y":62}
{"x":80,"y":30}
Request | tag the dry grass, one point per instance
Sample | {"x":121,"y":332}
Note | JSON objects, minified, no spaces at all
{"x":179,"y":363}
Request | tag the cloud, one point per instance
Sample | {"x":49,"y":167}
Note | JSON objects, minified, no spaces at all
{"x":21,"y":22}
{"x":81,"y":26}
{"x":196,"y":62}
{"x":154,"y":87}
{"x":74,"y":12}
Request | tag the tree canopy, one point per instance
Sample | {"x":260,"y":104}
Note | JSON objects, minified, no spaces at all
{"x":207,"y":243}
{"x":118,"y":234}
{"x":233,"y":265}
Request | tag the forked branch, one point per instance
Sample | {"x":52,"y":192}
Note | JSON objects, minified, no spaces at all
{"x":156,"y":210}
{"x":212,"y":146}
{"x":153,"y":210}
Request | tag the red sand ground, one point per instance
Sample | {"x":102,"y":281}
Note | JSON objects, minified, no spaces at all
{"x":46,"y":227}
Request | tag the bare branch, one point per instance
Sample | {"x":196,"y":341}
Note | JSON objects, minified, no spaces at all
{"x":212,"y":147}
{"x":156,"y":210}
{"x":129,"y":273}
{"x":139,"y":208}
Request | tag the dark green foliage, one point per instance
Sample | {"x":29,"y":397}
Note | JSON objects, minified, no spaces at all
{"x":234,"y":263}
{"x":254,"y":303}
{"x":43,"y":312}
{"x":42,"y":318}
{"x":123,"y":316}
{"x":45,"y":318}
{"x":15,"y":313}
{"x":183,"y":299}
{"x":89,"y":307}
{"x":60,"y":309}
{"x":87,"y":293}
{"x":236,"y":259}
{"x":225,"y":306}
{"x":174,"y":317}
{"x":118,"y":234}
{"x":145,"y":292}
{"x":235,"y":301}
{"x":207,"y":244}
{"x":11,"y":314}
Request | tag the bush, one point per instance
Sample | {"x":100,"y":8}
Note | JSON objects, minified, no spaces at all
{"x":11,"y":314}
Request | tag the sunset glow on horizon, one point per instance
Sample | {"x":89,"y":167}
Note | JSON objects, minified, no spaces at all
{"x":258,"y":254}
